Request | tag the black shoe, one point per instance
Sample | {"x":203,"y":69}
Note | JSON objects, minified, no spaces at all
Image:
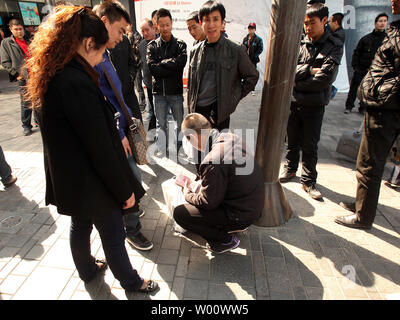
{"x":349,"y":206}
{"x":139,"y":242}
{"x":101,"y":265}
{"x":221,"y":247}
{"x":151,"y":287}
{"x":347,"y":111}
{"x":10,"y":182}
{"x":27,"y":131}
{"x":287,"y":176}
{"x":313,"y":191}
{"x":352,"y":221}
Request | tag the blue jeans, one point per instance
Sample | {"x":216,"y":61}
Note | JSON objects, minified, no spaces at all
{"x":26,"y":111}
{"x":161,"y":103}
{"x":5,"y":170}
{"x":112,"y":234}
{"x":131,"y":220}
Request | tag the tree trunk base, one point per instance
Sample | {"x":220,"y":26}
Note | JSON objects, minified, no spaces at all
{"x":277,"y":210}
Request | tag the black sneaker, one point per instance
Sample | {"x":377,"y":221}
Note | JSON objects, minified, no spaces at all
{"x":222,"y":247}
{"x":139,"y":242}
{"x":347,"y":111}
{"x":313,"y":191}
{"x":287,"y":176}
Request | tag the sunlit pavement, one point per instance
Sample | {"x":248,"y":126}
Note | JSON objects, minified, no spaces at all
{"x":310,"y":257}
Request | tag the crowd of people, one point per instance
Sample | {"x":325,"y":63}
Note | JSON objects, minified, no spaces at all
{"x":79,"y":76}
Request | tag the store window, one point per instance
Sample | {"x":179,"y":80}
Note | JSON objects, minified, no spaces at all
{"x":31,"y":13}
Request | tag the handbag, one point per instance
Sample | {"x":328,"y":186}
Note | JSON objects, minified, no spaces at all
{"x":136,"y":133}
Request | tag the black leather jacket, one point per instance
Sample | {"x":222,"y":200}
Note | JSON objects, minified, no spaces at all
{"x":365,"y":51}
{"x":380,"y":88}
{"x":326,"y":53}
{"x":166,"y":61}
{"x":236,"y":76}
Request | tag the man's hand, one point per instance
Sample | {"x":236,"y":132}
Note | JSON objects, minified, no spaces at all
{"x":130,"y":202}
{"x":19,"y":78}
{"x":186,"y":188}
{"x":314,"y":71}
{"x":127,"y":147}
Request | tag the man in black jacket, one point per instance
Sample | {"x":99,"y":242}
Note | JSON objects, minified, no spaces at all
{"x":126,"y":67}
{"x":148,"y":32}
{"x":166,"y":58}
{"x":381,"y":127}
{"x":116,"y":18}
{"x":362,"y":58}
{"x":317,"y":67}
{"x":231,"y":196}
{"x":335,"y":26}
{"x":253,"y":44}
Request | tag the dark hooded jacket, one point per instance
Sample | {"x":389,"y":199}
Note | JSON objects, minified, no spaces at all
{"x":231,"y":179}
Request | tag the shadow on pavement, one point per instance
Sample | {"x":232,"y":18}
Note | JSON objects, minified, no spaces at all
{"x":342,"y":252}
{"x":23,"y":225}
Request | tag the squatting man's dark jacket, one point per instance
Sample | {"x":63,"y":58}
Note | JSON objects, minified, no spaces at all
{"x":231,"y":179}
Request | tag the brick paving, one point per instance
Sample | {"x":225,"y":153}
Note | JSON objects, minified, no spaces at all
{"x":307,"y":258}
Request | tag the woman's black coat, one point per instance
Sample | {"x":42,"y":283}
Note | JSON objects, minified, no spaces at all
{"x":86,"y":167}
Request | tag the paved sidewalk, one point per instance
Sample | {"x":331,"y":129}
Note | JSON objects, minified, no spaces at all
{"x":310,"y":257}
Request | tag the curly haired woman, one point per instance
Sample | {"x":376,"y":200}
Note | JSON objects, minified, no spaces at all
{"x":87,"y":174}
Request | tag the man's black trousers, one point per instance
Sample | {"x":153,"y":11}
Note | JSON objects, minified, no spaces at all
{"x":212,"y":225}
{"x":381,"y":129}
{"x":303,"y":134}
{"x":355,"y":83}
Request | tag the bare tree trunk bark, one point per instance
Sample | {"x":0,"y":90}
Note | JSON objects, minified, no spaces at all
{"x":287,"y":18}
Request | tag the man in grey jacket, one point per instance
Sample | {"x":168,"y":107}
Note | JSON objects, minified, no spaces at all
{"x":13,"y":52}
{"x":220,"y":71}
